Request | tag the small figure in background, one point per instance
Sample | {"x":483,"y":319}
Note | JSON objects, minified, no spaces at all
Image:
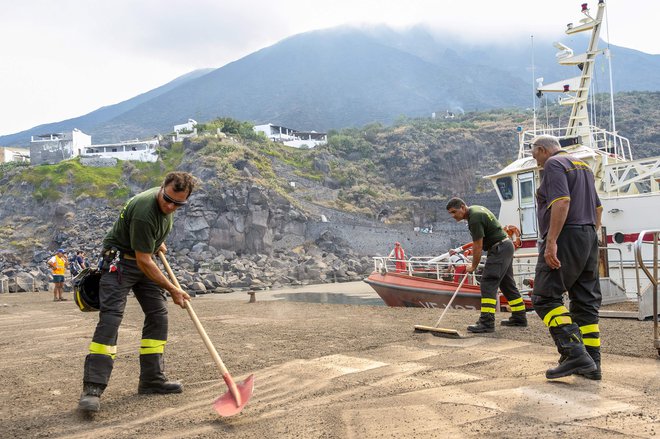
{"x":458,"y":265}
{"x":399,"y":257}
{"x":58,"y":264}
{"x":77,"y":263}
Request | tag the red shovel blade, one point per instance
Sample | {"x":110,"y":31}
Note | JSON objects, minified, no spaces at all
{"x":227,"y":405}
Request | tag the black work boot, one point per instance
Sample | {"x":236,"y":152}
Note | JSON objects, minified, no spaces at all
{"x":90,"y":400}
{"x":486,"y":323}
{"x":569,"y":344}
{"x":596,"y":375}
{"x":518,"y":318}
{"x":594,"y":353}
{"x":152,"y":378}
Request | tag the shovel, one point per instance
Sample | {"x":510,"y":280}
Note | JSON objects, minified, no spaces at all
{"x":233,"y":401}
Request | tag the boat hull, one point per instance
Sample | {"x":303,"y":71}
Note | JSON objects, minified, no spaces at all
{"x":399,"y":289}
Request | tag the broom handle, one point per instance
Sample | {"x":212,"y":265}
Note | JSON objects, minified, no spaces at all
{"x":451,"y":301}
{"x":207,"y":341}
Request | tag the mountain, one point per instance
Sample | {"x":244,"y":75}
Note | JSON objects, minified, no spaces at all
{"x":347,"y":76}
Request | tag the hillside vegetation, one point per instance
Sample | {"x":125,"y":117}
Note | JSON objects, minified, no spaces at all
{"x":364,"y":169}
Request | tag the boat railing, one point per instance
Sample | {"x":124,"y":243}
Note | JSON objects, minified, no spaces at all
{"x":618,"y":263}
{"x":652,"y":274}
{"x":633,"y":177}
{"x":524,"y":265}
{"x":415,"y":266}
{"x":427,"y":267}
{"x":616,"y":146}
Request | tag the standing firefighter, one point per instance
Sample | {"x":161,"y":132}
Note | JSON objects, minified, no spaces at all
{"x":487,"y":234}
{"x":569,"y":213}
{"x":128,"y":249}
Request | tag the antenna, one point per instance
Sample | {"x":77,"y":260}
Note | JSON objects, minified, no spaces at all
{"x":608,"y":55}
{"x":533,"y":88}
{"x":592,"y":99}
{"x":547,"y":117}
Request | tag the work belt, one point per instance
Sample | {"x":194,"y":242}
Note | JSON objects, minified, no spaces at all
{"x":571,"y":226}
{"x":579,"y":226}
{"x":494,"y":246}
{"x":107,"y":253}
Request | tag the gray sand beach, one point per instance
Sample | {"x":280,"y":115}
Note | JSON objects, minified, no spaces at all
{"x":322,"y":371}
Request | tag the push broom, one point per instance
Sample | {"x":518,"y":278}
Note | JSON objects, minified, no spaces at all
{"x":435,"y":329}
{"x":233,"y":401}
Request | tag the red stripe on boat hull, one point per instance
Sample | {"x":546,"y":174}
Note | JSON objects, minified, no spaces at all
{"x":627,"y":237}
{"x":397,"y":289}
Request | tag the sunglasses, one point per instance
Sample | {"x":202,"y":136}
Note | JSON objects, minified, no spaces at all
{"x":169,"y":199}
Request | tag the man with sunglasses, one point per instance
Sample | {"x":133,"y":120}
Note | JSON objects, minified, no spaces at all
{"x":128,"y":264}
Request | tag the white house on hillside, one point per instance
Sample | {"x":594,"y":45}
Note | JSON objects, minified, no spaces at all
{"x":52,"y":148}
{"x":188,"y":126}
{"x":137,"y":150}
{"x":184,"y":130}
{"x":291,"y":137}
{"x":9,"y":154}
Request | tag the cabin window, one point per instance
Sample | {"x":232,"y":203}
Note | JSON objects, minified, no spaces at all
{"x":505,"y":187}
{"x":527,"y":191}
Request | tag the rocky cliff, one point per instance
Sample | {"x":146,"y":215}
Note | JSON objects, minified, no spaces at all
{"x":235,"y":233}
{"x":266,"y":214}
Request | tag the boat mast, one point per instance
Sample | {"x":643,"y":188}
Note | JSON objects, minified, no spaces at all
{"x":533,"y":86}
{"x":578,"y":124}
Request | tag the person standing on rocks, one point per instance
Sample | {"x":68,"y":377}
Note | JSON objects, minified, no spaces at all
{"x":487,"y":234}
{"x":569,"y":213}
{"x":78,"y":263}
{"x":58,"y":265}
{"x":128,"y":249}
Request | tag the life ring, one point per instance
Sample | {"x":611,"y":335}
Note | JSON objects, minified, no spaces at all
{"x":514,"y":235}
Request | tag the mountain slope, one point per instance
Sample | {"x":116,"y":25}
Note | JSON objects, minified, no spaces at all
{"x":320,"y":80}
{"x":345,"y":77}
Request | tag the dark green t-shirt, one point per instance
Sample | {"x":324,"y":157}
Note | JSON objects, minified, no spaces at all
{"x":483,"y":224}
{"x":141,"y":225}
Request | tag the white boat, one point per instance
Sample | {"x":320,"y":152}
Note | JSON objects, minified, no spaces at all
{"x":629,"y":190}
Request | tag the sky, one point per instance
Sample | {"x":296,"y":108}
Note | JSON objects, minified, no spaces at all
{"x":65,"y":58}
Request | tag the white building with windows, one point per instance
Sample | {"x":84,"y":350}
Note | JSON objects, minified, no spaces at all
{"x":291,"y":137}
{"x":136,"y":150}
{"x":49,"y":149}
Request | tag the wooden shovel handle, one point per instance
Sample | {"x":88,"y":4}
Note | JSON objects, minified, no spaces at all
{"x":198,"y":325}
{"x":452,"y":299}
